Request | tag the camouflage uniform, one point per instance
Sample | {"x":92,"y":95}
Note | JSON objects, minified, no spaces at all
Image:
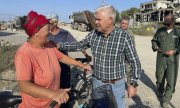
{"x":128,"y":67}
{"x":166,"y":66}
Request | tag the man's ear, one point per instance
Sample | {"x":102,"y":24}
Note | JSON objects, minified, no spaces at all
{"x":111,"y":19}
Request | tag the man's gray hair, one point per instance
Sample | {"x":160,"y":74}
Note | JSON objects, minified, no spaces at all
{"x":124,"y":18}
{"x":111,"y":12}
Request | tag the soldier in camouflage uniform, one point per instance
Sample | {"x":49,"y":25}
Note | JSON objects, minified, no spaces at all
{"x":166,"y":43}
{"x":124,"y":25}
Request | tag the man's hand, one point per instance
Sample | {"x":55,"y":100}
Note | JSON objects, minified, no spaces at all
{"x":131,"y":91}
{"x":170,"y":52}
{"x":87,"y":68}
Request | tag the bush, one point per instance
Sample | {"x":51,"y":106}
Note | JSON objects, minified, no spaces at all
{"x":7,"y":54}
{"x":147,"y":29}
{"x":143,"y":31}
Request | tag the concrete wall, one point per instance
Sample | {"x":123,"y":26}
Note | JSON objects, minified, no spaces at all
{"x":161,"y":5}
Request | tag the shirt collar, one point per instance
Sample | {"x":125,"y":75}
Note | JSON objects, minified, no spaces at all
{"x":110,"y":34}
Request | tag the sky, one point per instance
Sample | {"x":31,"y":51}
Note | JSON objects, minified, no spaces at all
{"x":63,"y":8}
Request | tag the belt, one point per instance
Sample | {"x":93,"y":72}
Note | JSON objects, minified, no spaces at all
{"x":112,"y":81}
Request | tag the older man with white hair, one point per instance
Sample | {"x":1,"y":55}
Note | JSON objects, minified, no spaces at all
{"x":110,"y":45}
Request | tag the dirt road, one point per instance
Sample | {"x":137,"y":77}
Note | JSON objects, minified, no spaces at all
{"x":146,"y":97}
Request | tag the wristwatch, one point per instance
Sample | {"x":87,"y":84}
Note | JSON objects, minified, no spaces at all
{"x":134,"y":84}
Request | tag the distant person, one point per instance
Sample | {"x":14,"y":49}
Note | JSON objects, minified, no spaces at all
{"x":166,"y":42}
{"x":59,"y":35}
{"x":124,"y":25}
{"x":110,"y":45}
{"x":37,"y":66}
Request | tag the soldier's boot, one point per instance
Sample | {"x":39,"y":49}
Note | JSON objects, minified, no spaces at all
{"x":166,"y":101}
{"x":165,"y":105}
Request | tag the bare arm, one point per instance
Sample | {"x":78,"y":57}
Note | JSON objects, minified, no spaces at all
{"x":36,"y":91}
{"x":70,"y":61}
{"x":24,"y":74}
{"x":76,"y":46}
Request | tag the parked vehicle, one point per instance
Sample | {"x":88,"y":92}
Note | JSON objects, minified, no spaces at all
{"x":82,"y":21}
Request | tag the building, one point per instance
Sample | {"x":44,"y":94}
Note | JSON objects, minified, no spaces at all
{"x":154,"y":11}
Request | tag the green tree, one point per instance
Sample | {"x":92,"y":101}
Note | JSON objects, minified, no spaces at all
{"x":128,"y":12}
{"x":117,"y":17}
{"x":134,"y":10}
{"x":125,"y":14}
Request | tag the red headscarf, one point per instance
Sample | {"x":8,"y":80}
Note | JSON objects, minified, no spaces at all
{"x":34,"y":23}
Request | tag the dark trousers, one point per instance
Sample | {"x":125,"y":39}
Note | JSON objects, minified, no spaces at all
{"x":65,"y":76}
{"x":166,"y":71}
{"x":65,"y":80}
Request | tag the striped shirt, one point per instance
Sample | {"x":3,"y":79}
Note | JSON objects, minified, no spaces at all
{"x":109,"y":54}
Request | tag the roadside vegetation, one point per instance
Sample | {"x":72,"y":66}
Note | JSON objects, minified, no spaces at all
{"x":144,"y":30}
{"x":147,"y":29}
{"x":7,"y":53}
